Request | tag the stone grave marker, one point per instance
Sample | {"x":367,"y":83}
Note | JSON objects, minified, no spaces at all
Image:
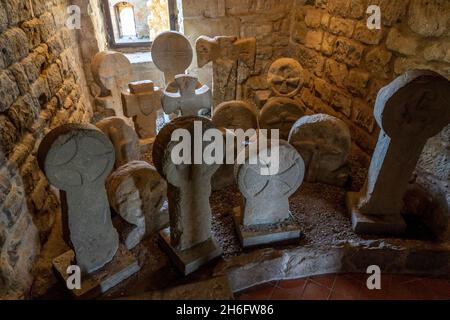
{"x":142,"y":103}
{"x":138,"y":194}
{"x":172,"y":54}
{"x":77,"y":158}
{"x":123,"y":138}
{"x":189,"y":100}
{"x":324,"y":143}
{"x":226,"y":53}
{"x":285,"y":77}
{"x":281,"y":113}
{"x":188,"y":241}
{"x":410,"y":110}
{"x":264,"y":216}
{"x":235,"y":115}
{"x":112,"y":71}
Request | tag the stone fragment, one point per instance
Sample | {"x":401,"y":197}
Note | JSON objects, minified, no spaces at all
{"x":227,"y":53}
{"x":142,"y":103}
{"x":137,"y":193}
{"x":188,"y":100}
{"x":123,"y":138}
{"x":172,"y":54}
{"x":324,"y":142}
{"x":342,"y":27}
{"x":235,"y":115}
{"x":112,"y":71}
{"x":281,"y":113}
{"x":348,"y":51}
{"x":366,"y":35}
{"x":413,"y":105}
{"x":77,"y":159}
{"x":285,"y":77}
{"x":189,"y":240}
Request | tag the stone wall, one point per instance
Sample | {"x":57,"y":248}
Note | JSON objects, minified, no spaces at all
{"x":267,"y":20}
{"x":42,"y":86}
{"x":347,"y":63}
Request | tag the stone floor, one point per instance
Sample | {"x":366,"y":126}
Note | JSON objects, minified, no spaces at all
{"x":351,"y":287}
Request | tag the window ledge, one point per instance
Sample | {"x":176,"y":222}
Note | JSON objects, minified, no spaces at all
{"x":139,"y":57}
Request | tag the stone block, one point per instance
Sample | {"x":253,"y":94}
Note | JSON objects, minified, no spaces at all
{"x":288,"y":232}
{"x":342,"y":27}
{"x":328,"y":44}
{"x":313,"y":40}
{"x":13,"y":46}
{"x":363,"y":115}
{"x":398,"y":42}
{"x":367,"y":36}
{"x":313,"y":18}
{"x":336,"y":72}
{"x":190,"y":260}
{"x":356,"y":81}
{"x":392,"y":10}
{"x":377,"y":61}
{"x":8,"y":90}
{"x":348,"y":51}
{"x":123,"y":266}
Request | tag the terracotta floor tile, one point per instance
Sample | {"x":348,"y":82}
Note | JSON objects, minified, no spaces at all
{"x":325,"y":280}
{"x":314,"y":291}
{"x":288,"y":284}
{"x":348,"y":287}
{"x":287,"y":294}
{"x":441,"y":287}
{"x":261,"y":292}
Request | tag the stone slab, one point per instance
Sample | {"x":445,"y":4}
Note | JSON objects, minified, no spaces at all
{"x":123,"y":266}
{"x":373,"y":225}
{"x":190,"y":260}
{"x":269,"y":234}
{"x":217,"y":288}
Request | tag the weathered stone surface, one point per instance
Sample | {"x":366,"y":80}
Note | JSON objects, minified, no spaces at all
{"x":336,"y":72}
{"x":342,"y":27}
{"x":189,"y":187}
{"x":285,"y":77}
{"x":172,"y":54}
{"x":324,"y":142}
{"x":8,"y":90}
{"x":267,"y":196}
{"x":281,"y":113}
{"x":112,"y":72}
{"x":366,"y":35}
{"x":77,"y":160}
{"x":429,"y":18}
{"x":13,"y":46}
{"x":404,"y":109}
{"x":356,"y":81}
{"x":137,"y":193}
{"x":348,"y":51}
{"x":377,"y":60}
{"x":400,"y":43}
{"x":189,"y":100}
{"x":123,"y":138}
{"x":142,"y":103}
{"x":313,"y":39}
{"x":227,"y":53}
{"x":235,"y":115}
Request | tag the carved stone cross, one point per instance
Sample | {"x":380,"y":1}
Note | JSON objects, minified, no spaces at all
{"x":410,"y":110}
{"x":189,"y":240}
{"x":188,"y":100}
{"x":77,"y":159}
{"x":112,"y":72}
{"x":225,"y":53}
{"x":172,"y":54}
{"x":142,"y":103}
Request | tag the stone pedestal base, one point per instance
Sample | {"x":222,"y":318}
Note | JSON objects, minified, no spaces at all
{"x":267,"y":234}
{"x":190,"y":260}
{"x":373,"y":224}
{"x":146,"y":145}
{"x":120,"y":268}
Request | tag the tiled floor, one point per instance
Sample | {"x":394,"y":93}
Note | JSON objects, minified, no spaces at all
{"x":351,"y":287}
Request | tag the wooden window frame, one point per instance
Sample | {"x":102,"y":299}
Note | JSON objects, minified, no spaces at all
{"x":136,"y":46}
